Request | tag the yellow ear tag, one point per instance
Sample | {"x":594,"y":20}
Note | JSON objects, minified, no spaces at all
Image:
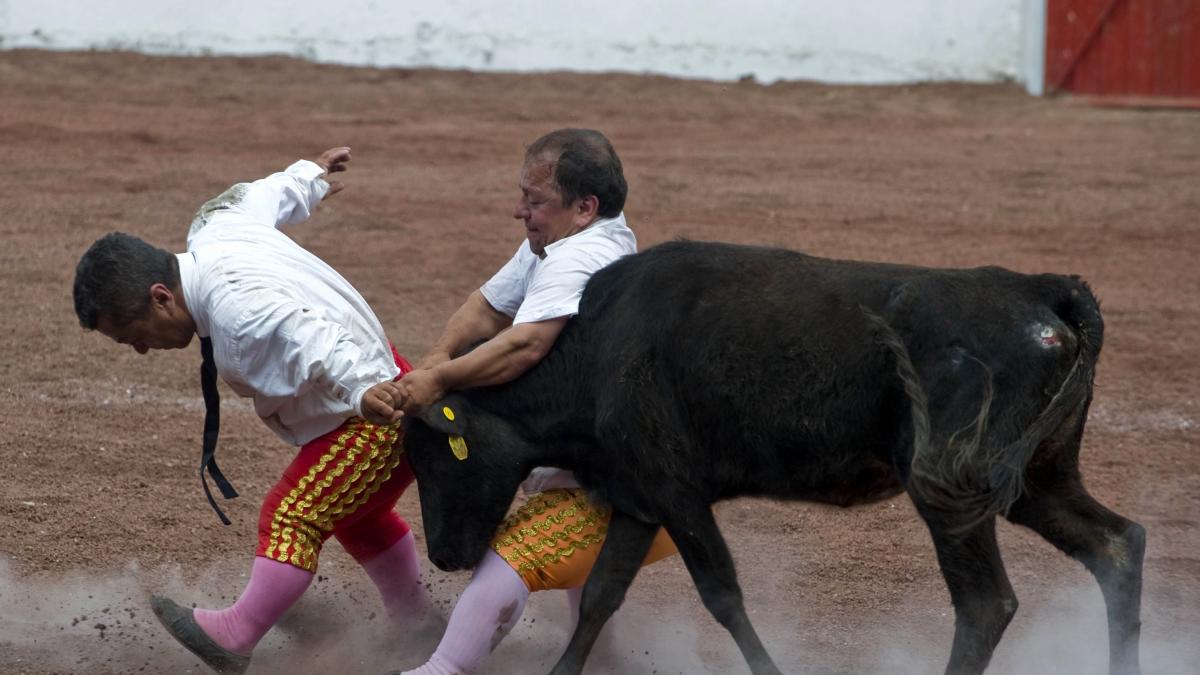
{"x":448,"y":412}
{"x":458,"y":445}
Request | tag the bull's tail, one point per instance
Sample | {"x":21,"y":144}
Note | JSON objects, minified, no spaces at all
{"x":974,"y":481}
{"x":918,"y":402}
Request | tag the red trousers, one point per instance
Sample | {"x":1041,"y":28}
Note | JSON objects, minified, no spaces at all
{"x":343,"y":484}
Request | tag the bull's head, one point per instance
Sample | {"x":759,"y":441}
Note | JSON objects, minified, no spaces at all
{"x":468,"y":464}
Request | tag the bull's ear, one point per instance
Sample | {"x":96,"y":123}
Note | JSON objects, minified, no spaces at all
{"x":448,"y":415}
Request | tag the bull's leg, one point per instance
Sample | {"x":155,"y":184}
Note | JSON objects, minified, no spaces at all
{"x":1111,"y":547}
{"x":703,"y":550}
{"x":620,"y":558}
{"x":983,"y":599}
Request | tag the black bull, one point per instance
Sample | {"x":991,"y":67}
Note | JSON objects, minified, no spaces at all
{"x":697,"y":372}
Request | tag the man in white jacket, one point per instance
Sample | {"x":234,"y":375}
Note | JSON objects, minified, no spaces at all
{"x":282,"y":327}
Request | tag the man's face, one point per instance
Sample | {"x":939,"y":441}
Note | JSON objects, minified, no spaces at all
{"x":163,"y":326}
{"x":547,"y":219}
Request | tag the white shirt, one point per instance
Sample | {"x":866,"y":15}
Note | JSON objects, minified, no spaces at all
{"x":529,"y":288}
{"x":286,"y":328}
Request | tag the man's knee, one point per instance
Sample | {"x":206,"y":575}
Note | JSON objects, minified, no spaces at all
{"x":371,"y":536}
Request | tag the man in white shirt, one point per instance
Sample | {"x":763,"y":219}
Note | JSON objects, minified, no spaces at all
{"x":572,"y":195}
{"x":285,"y":329}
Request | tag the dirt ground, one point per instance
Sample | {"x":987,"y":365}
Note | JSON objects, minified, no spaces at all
{"x":100,"y":503}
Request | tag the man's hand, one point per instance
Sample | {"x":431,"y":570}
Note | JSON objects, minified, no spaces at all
{"x":420,"y":389}
{"x":381,"y":404}
{"x":333,"y":160}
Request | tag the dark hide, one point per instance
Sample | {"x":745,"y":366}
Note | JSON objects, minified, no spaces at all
{"x":697,"y":372}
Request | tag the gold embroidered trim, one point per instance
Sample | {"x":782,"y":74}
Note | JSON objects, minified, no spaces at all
{"x":304,"y":519}
{"x":539,"y":535}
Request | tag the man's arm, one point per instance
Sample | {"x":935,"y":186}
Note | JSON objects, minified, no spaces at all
{"x":501,"y":359}
{"x":284,"y":198}
{"x":476,"y":320}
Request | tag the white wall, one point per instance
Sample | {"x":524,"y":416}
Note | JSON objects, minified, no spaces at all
{"x":830,"y":40}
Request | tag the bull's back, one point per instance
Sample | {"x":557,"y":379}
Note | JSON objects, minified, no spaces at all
{"x":763,"y":365}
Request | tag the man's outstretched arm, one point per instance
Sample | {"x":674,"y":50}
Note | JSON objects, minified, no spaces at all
{"x":502,"y":359}
{"x":474,"y":322}
{"x":284,"y":198}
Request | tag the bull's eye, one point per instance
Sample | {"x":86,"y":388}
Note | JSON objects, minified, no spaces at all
{"x":448,"y":412}
{"x":458,"y":445}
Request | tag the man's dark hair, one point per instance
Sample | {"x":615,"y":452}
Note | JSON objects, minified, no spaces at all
{"x":114,"y":277}
{"x":584,"y":163}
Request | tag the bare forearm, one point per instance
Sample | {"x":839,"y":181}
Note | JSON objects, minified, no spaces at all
{"x":475,"y":321}
{"x":501,"y":359}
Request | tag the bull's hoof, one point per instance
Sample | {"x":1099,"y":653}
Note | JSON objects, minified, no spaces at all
{"x":181,"y":624}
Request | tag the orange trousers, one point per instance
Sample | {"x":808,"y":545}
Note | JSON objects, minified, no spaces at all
{"x":553,"y":539}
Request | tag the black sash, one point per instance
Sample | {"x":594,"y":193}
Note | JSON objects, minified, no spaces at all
{"x":212,"y":422}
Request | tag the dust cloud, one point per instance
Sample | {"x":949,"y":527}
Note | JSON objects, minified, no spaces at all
{"x":1066,"y":634}
{"x":102,"y":624}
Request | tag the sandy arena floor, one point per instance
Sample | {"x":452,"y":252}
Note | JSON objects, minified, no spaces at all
{"x":100,"y":503}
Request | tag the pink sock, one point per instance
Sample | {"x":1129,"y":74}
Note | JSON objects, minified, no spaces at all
{"x":272,"y":589}
{"x":396,"y":573}
{"x":487,"y":610}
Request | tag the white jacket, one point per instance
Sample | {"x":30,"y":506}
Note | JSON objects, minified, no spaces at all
{"x":286,"y":328}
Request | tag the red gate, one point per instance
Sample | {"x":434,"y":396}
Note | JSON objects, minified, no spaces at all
{"x":1138,"y":51}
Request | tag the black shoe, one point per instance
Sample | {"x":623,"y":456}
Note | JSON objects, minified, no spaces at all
{"x":181,"y":624}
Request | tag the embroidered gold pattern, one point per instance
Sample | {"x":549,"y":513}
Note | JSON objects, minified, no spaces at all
{"x":306,"y":517}
{"x":552,"y":525}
